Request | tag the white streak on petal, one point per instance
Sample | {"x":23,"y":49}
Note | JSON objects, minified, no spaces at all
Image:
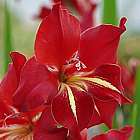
{"x":101,"y":82}
{"x":72,"y":101}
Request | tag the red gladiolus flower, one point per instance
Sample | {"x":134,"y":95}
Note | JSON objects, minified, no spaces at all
{"x":87,"y":19}
{"x":129,"y":75}
{"x":13,"y":124}
{"x":16,"y":124}
{"x":128,"y":80}
{"x":82,"y":65}
{"x":122,"y":134}
{"x":86,"y":9}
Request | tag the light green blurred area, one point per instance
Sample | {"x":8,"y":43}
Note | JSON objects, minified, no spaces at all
{"x":22,"y":37}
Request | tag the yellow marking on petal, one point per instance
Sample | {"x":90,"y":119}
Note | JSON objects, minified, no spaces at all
{"x":97,"y":81}
{"x":79,"y":85}
{"x":76,"y":86}
{"x":72,"y":101}
{"x":101,"y":82}
{"x":61,"y":87}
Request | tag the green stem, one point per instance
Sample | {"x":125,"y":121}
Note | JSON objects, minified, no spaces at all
{"x":110,"y":12}
{"x":7,"y":37}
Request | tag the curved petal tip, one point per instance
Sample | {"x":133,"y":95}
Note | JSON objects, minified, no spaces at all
{"x":122,"y":23}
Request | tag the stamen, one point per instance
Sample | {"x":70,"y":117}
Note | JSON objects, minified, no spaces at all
{"x":79,"y":85}
{"x":94,"y":80}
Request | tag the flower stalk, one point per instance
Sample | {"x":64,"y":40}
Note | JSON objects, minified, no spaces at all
{"x":110,"y":12}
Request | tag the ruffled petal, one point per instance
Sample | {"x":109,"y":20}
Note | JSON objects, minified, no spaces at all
{"x":99,"y":45}
{"x":57,"y":38}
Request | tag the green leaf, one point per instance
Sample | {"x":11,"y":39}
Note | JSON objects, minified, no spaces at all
{"x":7,"y":36}
{"x":110,"y":12}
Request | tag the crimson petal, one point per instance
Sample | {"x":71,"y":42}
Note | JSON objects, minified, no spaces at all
{"x":87,"y":20}
{"x":18,"y":62}
{"x":11,"y":80}
{"x":63,"y":114}
{"x":57,"y":38}
{"x":112,"y":74}
{"x":43,"y":93}
{"x":104,"y":113}
{"x":62,"y":108}
{"x":33,"y":73}
{"x":46,"y":128}
{"x":99,"y":45}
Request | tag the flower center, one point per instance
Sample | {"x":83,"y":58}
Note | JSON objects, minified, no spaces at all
{"x":63,"y":78}
{"x":18,"y":131}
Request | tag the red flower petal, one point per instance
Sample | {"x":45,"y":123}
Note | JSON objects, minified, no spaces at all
{"x":81,"y":6}
{"x":105,"y":112}
{"x":33,"y":74}
{"x":87,"y":20}
{"x":18,"y":62}
{"x":111,"y":74}
{"x":43,"y":93}
{"x":99,"y":45}
{"x":122,"y":134}
{"x":10,"y":82}
{"x":85,"y":108}
{"x":75,"y":113}
{"x":107,"y":98}
{"x":46,"y":128}
{"x":128,"y":80}
{"x":8,"y":85}
{"x":57,"y":38}
{"x":61,"y":110}
{"x":4,"y":109}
